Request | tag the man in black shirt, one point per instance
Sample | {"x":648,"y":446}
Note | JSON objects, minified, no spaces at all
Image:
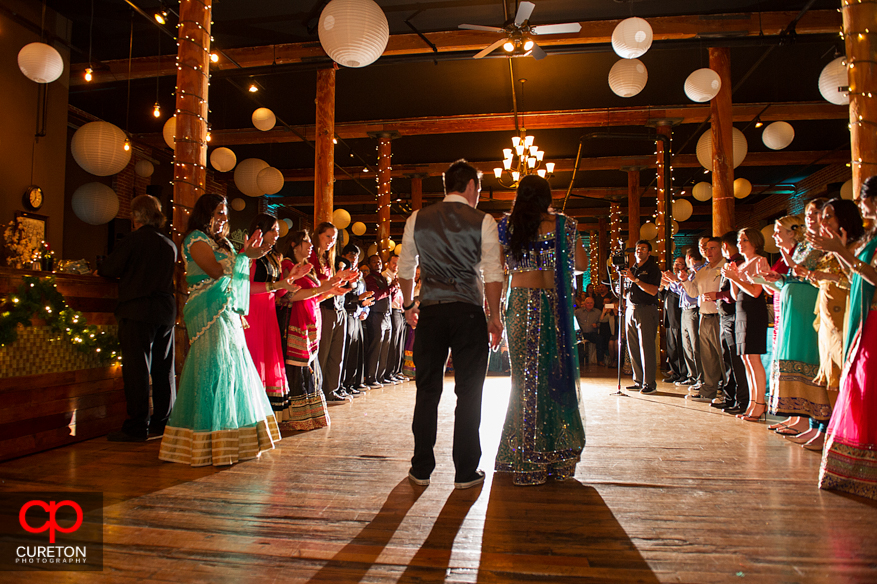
{"x":147,"y":310}
{"x":641,"y":318}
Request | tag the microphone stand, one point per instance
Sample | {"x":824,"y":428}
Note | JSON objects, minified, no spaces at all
{"x":618,"y":323}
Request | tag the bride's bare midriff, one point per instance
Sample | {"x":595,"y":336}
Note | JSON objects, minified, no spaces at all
{"x":537,"y":278}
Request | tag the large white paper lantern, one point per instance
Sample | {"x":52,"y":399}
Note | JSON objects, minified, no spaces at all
{"x":238,"y":204}
{"x":628,"y":77}
{"x":778,"y":135}
{"x":264,"y":119}
{"x":631,"y":38}
{"x":269,"y":180}
{"x":358,"y":228}
{"x":682,"y":209}
{"x":353,"y":32}
{"x":282,"y":229}
{"x":702,"y":191}
{"x":372,"y":250}
{"x":740,"y":148}
{"x":99,"y":148}
{"x":648,"y":231}
{"x":40,"y":62}
{"x":834,"y":76}
{"x":246,"y":176}
{"x":223,"y":159}
{"x":340,"y":218}
{"x":169,"y":132}
{"x":95,"y":203}
{"x":742,"y":188}
{"x":344,"y":237}
{"x":702,"y":85}
{"x":846,"y":190}
{"x":143,"y":168}
{"x":770,"y":245}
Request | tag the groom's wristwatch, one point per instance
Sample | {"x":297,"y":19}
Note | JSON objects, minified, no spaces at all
{"x":409,"y":307}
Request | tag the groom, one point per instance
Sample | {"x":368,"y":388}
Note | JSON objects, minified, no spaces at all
{"x":457,"y":247}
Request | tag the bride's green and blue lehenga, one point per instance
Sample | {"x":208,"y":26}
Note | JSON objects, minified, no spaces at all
{"x":543,"y":435}
{"x":221,"y":414}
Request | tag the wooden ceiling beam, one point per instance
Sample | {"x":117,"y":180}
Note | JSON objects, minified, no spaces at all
{"x":666,"y":28}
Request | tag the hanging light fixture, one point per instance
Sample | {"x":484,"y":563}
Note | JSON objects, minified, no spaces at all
{"x":758,"y":122}
{"x":161,"y":17}
{"x":156,"y":110}
{"x":88,"y":72}
{"x":523,"y":158}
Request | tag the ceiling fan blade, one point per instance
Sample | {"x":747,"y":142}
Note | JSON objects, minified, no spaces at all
{"x":537,"y":53}
{"x":490,"y":49}
{"x":568,"y":27}
{"x":525,"y":9}
{"x":479,"y":27}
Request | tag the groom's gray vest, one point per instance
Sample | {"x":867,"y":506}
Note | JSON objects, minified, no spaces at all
{"x":448,"y":240}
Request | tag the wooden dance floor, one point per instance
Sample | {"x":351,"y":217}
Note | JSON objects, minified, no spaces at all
{"x":667,"y":491}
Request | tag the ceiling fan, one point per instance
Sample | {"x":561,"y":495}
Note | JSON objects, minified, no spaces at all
{"x":517,"y":41}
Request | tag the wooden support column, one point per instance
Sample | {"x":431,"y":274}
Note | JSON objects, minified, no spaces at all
{"x":417,"y":189}
{"x":384,"y":168}
{"x":603,"y":250}
{"x":614,"y":226}
{"x":324,"y":151}
{"x":860,"y":38}
{"x":633,"y":198}
{"x":664,"y":217}
{"x":593,"y":268}
{"x":723,"y":144}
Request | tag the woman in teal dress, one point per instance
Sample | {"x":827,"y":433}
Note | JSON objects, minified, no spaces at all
{"x":543,"y":435}
{"x":222,"y":414}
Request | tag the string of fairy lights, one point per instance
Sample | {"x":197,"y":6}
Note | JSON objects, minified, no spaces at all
{"x":614,"y":225}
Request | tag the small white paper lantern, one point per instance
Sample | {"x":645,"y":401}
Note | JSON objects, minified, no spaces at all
{"x":702,"y":191}
{"x":238,"y":204}
{"x":269,"y":180}
{"x":628,"y":77}
{"x":358,"y":228}
{"x":340,"y":218}
{"x":834,"y":76}
{"x":143,"y":168}
{"x":40,"y":62}
{"x":846,"y":190}
{"x":223,"y":159}
{"x":702,"y":85}
{"x":246,"y":176}
{"x":631,"y":38}
{"x":778,"y":135}
{"x":770,"y":245}
{"x":95,"y":203}
{"x":354,"y":33}
{"x":682,"y":209}
{"x":740,"y":148}
{"x":169,"y":132}
{"x":742,"y":188}
{"x":288,"y":222}
{"x":264,"y":119}
{"x":99,"y":148}
{"x":648,"y":231}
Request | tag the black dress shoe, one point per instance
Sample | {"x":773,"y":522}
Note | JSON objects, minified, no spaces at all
{"x":124,"y":437}
{"x":734,"y":409}
{"x":335,"y":398}
{"x":635,"y":386}
{"x":670,"y":379}
{"x":720,"y":405}
{"x":353,"y":392}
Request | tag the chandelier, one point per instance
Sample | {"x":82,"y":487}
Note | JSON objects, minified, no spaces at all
{"x":523,"y":158}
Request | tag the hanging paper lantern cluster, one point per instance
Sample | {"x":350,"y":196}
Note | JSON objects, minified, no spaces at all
{"x":702,"y":191}
{"x":246,"y":176}
{"x":628,"y":77}
{"x":340,"y":218}
{"x":631,"y":38}
{"x":682,"y":209}
{"x":95,"y":203}
{"x":705,"y":148}
{"x":144,"y":168}
{"x":354,"y":33}
{"x":778,"y":135}
{"x":40,"y":62}
{"x":358,"y":229}
{"x":238,"y":204}
{"x":223,"y":159}
{"x":742,"y":188}
{"x":99,"y":148}
{"x":169,"y":131}
{"x":269,"y":180}
{"x":770,"y":246}
{"x":264,"y":119}
{"x":702,"y":85}
{"x":833,"y":77}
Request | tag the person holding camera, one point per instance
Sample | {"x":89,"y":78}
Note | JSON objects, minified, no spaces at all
{"x":641,"y":318}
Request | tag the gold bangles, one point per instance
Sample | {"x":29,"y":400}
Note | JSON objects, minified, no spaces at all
{"x":859,"y":265}
{"x":269,"y":287}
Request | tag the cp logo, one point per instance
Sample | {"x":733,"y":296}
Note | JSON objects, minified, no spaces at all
{"x":51,"y":523}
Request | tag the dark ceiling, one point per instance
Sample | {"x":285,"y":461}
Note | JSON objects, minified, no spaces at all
{"x":572,"y":77}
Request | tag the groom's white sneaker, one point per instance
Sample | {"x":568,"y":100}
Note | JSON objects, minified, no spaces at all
{"x":479,"y":478}
{"x":421,"y":482}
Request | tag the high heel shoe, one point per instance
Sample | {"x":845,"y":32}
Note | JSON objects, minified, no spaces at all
{"x":753,"y":418}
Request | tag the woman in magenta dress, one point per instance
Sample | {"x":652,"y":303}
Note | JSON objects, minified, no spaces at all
{"x":849,"y":462}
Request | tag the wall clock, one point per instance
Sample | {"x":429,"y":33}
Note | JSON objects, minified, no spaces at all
{"x":33,"y":198}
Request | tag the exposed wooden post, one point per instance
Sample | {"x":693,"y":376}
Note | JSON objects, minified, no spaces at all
{"x":614,"y":226}
{"x":723,"y":144}
{"x":384,"y":168}
{"x":664,"y":197}
{"x":603,"y":251}
{"x":860,"y":27}
{"x":593,"y":261}
{"x":633,"y":199}
{"x":324,"y":156}
{"x":417,"y":189}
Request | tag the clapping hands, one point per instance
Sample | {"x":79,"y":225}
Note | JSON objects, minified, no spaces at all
{"x":253,"y":246}
{"x":828,"y":239}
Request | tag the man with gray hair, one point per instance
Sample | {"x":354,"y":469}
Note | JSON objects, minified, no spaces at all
{"x":143,"y":262}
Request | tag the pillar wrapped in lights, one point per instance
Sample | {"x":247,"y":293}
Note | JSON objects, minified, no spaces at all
{"x":384,"y":189}
{"x":860,"y":40}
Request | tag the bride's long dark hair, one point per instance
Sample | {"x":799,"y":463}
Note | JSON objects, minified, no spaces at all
{"x":531,"y":202}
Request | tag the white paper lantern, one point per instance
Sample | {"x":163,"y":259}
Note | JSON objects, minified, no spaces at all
{"x":246,"y":176}
{"x":631,"y":38}
{"x":682,"y":209}
{"x":372,"y":250}
{"x":358,"y":228}
{"x":143,"y":168}
{"x":223,"y":159}
{"x":340,"y":218}
{"x":834,"y":76}
{"x":742,"y":188}
{"x":705,"y":148}
{"x":269,"y":180}
{"x":99,"y":148}
{"x":354,"y":33}
{"x":648,"y":231}
{"x":398,"y":250}
{"x":770,"y":246}
{"x":40,"y":62}
{"x":264,"y":119}
{"x":288,"y":222}
{"x":778,"y":135}
{"x":169,"y":132}
{"x":628,"y":77}
{"x":846,"y":190}
{"x":282,"y":229}
{"x":674,"y":227}
{"x":391,"y":245}
{"x":703,"y":85}
{"x":702,"y":191}
{"x":344,"y":237}
{"x":95,"y":203}
{"x":238,"y":204}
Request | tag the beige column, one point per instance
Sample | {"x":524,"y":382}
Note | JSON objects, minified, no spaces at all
{"x":723,"y":144}
{"x":324,"y":147}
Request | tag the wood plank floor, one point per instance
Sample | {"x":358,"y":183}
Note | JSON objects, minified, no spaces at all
{"x":667,"y":491}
